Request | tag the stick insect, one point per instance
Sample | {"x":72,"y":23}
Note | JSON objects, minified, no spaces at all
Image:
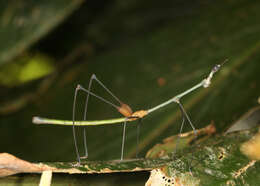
{"x":124,"y":109}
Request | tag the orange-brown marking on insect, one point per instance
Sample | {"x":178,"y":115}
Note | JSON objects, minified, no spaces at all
{"x":125,"y":110}
{"x":140,"y":113}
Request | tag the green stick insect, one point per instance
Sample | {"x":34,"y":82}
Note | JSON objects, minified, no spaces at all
{"x":124,"y":109}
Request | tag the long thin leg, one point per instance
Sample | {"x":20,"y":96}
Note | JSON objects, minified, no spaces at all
{"x":79,"y":87}
{"x":85,"y":116}
{"x":95,"y":78}
{"x":73,"y":127}
{"x":85,"y":143}
{"x":192,"y":126}
{"x":187,"y":117}
{"x":182,"y":124}
{"x":95,"y":95}
{"x":123,"y":141}
{"x":138,"y":136}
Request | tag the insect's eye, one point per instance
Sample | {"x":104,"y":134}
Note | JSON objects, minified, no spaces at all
{"x":216,"y":68}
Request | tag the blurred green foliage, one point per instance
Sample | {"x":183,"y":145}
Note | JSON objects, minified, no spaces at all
{"x":26,"y":68}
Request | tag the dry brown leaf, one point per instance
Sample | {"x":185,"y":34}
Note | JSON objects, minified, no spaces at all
{"x":10,"y":164}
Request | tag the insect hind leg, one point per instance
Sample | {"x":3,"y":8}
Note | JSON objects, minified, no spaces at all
{"x":182,"y":124}
{"x":88,"y":91}
{"x":73,"y":126}
{"x":185,"y":115}
{"x":85,"y":116}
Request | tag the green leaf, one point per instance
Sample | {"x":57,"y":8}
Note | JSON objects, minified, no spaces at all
{"x":217,"y":161}
{"x":26,"y":68}
{"x":25,"y":22}
{"x":179,"y":142}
